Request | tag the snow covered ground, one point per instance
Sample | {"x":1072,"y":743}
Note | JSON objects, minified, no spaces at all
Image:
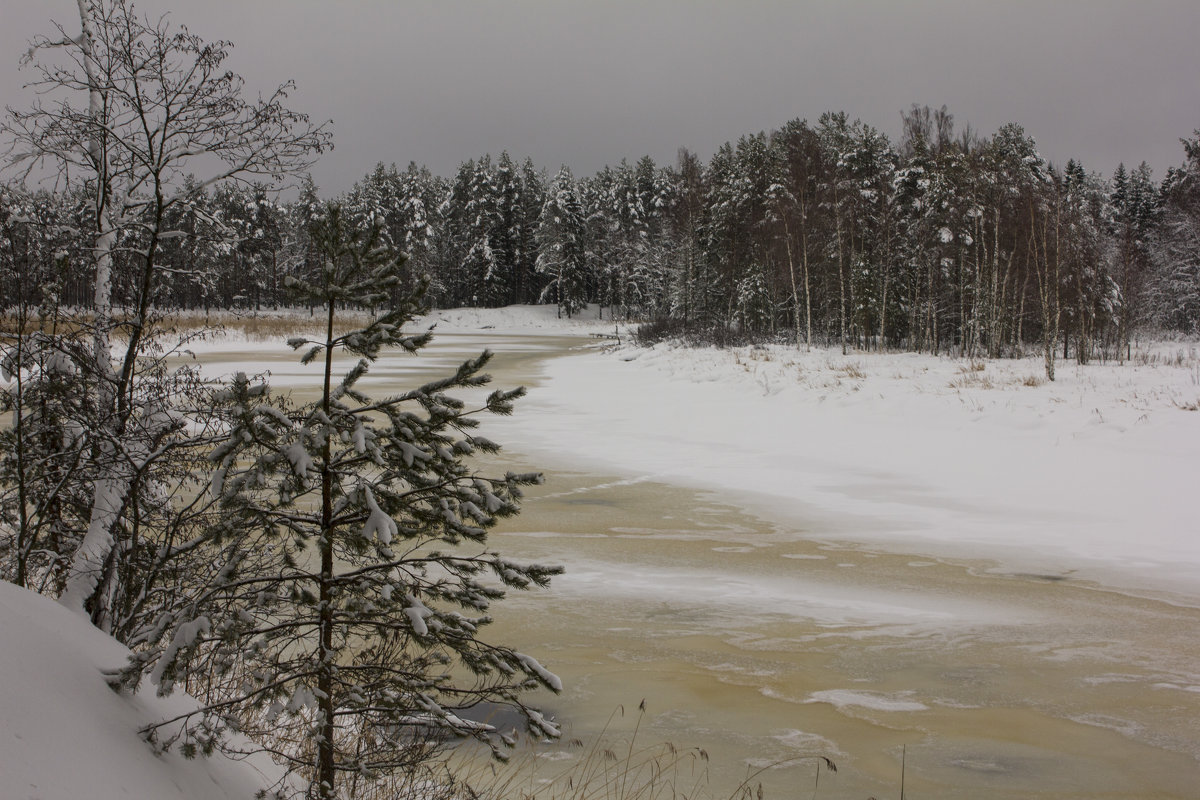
{"x":1094,"y":475}
{"x":64,"y":734}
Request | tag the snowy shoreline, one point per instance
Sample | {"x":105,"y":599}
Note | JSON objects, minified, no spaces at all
{"x":1089,"y":477}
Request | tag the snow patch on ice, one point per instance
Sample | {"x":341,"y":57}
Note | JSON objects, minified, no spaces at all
{"x":844,"y":698}
{"x":1177,"y":687}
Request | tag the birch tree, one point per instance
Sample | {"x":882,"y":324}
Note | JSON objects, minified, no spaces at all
{"x":125,"y":109}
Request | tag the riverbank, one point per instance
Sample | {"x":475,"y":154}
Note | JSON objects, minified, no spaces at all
{"x":1089,"y":477}
{"x":827,"y":631}
{"x":1086,"y":477}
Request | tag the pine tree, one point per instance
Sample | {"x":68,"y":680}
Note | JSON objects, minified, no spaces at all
{"x":453,"y":285}
{"x":1133,"y":205}
{"x":485,"y":274}
{"x":506,"y":235}
{"x":724,"y":243}
{"x":1093,"y":297}
{"x":684,"y":221}
{"x":754,"y":301}
{"x":835,"y":134}
{"x":346,"y":612}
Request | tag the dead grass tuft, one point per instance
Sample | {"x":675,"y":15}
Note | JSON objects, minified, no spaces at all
{"x":972,"y":380}
{"x":615,"y":768}
{"x":267,"y":325}
{"x":1179,"y":358}
{"x":852,"y":369}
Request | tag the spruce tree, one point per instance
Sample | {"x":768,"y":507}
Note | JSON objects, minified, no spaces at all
{"x":1174,"y":290}
{"x":562,"y":246}
{"x":526,"y":283}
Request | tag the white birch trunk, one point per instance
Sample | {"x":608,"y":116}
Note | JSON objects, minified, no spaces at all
{"x":87,"y":564}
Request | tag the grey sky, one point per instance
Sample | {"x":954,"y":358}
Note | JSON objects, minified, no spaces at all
{"x":590,"y":83}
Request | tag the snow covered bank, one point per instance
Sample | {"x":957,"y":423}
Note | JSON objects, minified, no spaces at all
{"x":523,"y":319}
{"x":1093,"y":476}
{"x":1089,"y":476}
{"x":278,"y":324}
{"x":65,"y":734}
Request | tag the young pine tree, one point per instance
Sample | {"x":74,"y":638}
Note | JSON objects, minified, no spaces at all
{"x":343,"y":631}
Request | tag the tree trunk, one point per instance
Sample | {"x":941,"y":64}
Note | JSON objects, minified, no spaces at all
{"x":1048,"y":273}
{"x":887,"y":274}
{"x":841,"y":272}
{"x":326,"y":766}
{"x":807,"y":290}
{"x":113,"y":482}
{"x":787,"y":241}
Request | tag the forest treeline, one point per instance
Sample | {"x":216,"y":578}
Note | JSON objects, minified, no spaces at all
{"x":823,"y":233}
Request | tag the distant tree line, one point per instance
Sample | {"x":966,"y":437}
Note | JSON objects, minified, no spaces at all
{"x":942,"y":241}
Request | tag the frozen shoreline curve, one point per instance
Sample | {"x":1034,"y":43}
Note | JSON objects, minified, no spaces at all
{"x":1091,"y":477}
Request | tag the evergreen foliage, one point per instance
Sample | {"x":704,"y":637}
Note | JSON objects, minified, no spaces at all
{"x":1174,"y":283}
{"x":343,"y":623}
{"x":942,"y":241}
{"x":562,"y":239}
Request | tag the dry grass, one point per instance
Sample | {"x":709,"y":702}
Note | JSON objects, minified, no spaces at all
{"x":851,"y":369}
{"x":1179,"y":357}
{"x":264,"y":325}
{"x":972,"y":380}
{"x":614,"y":768}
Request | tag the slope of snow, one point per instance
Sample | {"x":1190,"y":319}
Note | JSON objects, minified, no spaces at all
{"x":1092,"y":476}
{"x":66,"y":735}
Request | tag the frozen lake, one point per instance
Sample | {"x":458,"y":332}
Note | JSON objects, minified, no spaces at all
{"x":764,"y":636}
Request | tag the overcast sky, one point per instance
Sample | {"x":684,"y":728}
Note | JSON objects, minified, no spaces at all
{"x":589,"y":83}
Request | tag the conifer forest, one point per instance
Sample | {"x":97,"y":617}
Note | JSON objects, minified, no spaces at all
{"x":816,"y":232}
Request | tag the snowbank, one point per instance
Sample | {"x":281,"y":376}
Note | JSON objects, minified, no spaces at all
{"x":67,"y":735}
{"x":1091,"y":476}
